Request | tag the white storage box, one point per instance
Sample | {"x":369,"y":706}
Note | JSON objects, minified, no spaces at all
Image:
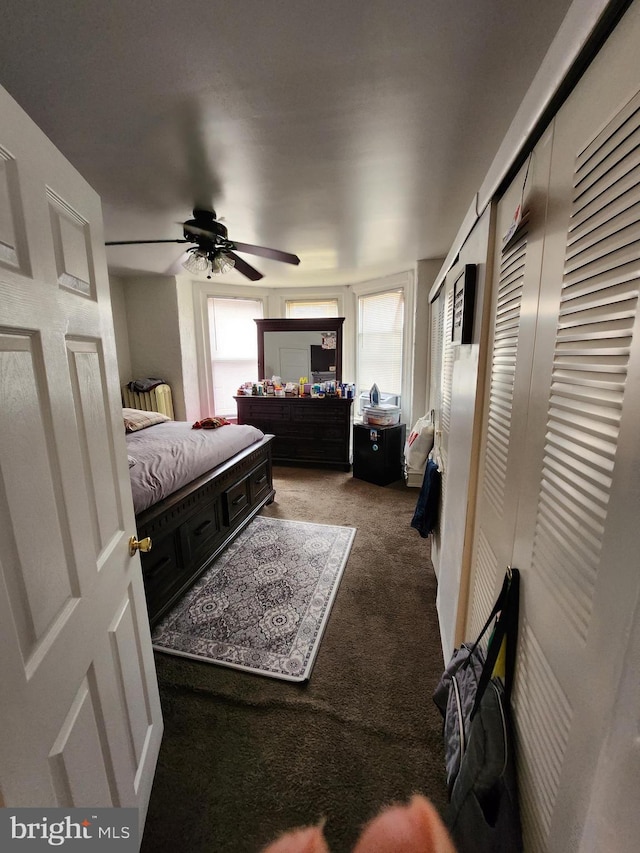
{"x":383,"y":414}
{"x":392,"y":399}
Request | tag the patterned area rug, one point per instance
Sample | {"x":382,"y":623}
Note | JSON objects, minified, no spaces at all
{"x":263,"y":605}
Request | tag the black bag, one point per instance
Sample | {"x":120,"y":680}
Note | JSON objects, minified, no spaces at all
{"x":483,"y":814}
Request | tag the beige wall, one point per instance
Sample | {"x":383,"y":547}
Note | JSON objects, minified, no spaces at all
{"x":154,"y":337}
{"x":188,"y":352}
{"x":119,"y":308}
{"x":426,"y":273}
{"x":451,"y":547}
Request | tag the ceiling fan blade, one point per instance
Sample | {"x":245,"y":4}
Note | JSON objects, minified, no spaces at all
{"x":263,"y":251}
{"x":200,"y":232}
{"x":140,"y":242}
{"x":176,"y":267}
{"x":243,"y":267}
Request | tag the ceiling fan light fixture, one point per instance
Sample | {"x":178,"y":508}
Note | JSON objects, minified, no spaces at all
{"x":222,"y":264}
{"x":196,"y":262}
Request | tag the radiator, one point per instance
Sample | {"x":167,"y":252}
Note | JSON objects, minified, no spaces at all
{"x":157,"y":400}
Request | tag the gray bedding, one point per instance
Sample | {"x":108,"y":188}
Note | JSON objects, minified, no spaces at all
{"x":172,"y":454}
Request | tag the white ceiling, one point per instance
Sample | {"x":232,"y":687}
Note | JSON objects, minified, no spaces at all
{"x":351,"y":133}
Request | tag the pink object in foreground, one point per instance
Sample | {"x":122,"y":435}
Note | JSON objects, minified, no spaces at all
{"x":414,"y":828}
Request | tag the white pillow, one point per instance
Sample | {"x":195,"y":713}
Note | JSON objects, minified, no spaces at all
{"x":135,"y":419}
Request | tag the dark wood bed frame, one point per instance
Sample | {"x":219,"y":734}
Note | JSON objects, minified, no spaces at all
{"x":190,"y":527}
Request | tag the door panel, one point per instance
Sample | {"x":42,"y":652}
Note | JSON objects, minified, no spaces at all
{"x":514,"y":308}
{"x":124,"y":635}
{"x":80,"y":720}
{"x":38,"y":592}
{"x":78,"y":745}
{"x":86,"y":369}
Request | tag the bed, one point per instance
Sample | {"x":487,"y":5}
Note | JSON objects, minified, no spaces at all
{"x":193,"y":490}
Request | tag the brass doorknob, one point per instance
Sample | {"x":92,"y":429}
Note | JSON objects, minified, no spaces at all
{"x":143,"y":545}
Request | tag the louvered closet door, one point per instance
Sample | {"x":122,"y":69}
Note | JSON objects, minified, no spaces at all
{"x":437,"y":332}
{"x":435,"y":388}
{"x":514,"y":307}
{"x":446,"y":381}
{"x":577,"y":536}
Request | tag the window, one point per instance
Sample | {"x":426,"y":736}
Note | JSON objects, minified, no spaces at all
{"x":302,"y":308}
{"x":234,"y":348}
{"x":380,"y":337}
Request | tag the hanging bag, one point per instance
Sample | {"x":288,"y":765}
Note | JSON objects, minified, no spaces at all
{"x":473,"y":696}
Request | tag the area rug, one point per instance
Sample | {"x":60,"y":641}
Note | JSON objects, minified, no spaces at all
{"x":264,"y":603}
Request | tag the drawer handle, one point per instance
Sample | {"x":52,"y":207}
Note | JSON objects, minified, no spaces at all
{"x":261,"y":479}
{"x":200,"y":530}
{"x":154,"y":571}
{"x":238,"y":500}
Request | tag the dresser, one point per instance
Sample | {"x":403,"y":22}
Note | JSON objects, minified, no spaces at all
{"x":308,"y":430}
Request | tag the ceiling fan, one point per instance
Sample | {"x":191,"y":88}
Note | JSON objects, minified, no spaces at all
{"x":213,"y":252}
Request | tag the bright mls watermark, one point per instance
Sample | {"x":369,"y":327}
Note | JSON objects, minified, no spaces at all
{"x":69,"y":829}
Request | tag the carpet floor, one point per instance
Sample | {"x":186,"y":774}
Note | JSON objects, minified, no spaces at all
{"x":245,"y":757}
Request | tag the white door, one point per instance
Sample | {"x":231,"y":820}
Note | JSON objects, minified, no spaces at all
{"x":80,"y":720}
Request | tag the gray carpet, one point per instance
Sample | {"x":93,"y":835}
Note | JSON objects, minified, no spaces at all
{"x":245,"y":757}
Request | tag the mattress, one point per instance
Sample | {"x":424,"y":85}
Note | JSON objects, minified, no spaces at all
{"x":169,"y":455}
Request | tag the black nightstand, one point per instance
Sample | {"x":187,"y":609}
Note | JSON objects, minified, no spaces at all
{"x":377,"y":453}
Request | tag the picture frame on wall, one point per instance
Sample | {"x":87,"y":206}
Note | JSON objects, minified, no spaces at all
{"x":464,"y":297}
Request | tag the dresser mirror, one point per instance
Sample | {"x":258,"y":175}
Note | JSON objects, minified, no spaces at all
{"x":309,"y":347}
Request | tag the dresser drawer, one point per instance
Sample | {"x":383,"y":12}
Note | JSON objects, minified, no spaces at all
{"x":201,"y":531}
{"x":161,"y":570}
{"x":312,"y":450}
{"x":321,"y":412}
{"x":259,"y":484}
{"x":324,"y":431}
{"x":269,"y":410}
{"x":235,"y":501}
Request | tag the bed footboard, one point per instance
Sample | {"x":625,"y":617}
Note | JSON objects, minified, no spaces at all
{"x":192,"y":526}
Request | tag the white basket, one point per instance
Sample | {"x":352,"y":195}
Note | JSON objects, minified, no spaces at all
{"x":382,"y":415}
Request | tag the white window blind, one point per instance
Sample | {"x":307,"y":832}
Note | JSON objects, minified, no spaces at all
{"x":380,"y":341}
{"x":234,"y":348}
{"x":300,"y":308}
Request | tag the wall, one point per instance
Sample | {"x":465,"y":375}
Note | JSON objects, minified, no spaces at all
{"x":458,"y":443}
{"x":426,"y":272}
{"x":119,"y":308}
{"x":155,"y":341}
{"x":188,"y":350}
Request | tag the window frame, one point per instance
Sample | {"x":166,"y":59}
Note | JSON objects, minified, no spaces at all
{"x":400,"y":281}
{"x":311,"y":301}
{"x":202,"y":292}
